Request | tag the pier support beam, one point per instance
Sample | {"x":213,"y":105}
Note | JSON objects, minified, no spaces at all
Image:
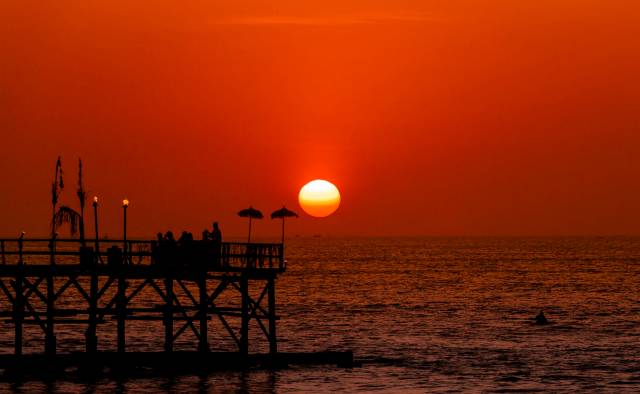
{"x":50,"y":337}
{"x":203,"y":345}
{"x":168,"y":315}
{"x":121,"y":311}
{"x":91,"y":337}
{"x":18,"y":311}
{"x":273,"y":338}
{"x":244,"y":328}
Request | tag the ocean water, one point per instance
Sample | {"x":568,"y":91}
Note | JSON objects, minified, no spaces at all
{"x":428,"y":315}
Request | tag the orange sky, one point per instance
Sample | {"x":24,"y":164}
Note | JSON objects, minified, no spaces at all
{"x":448,"y":117}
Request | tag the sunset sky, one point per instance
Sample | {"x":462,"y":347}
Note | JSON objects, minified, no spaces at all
{"x":457,"y":117}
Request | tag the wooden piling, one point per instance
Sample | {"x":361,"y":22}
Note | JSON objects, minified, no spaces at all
{"x":18,"y":311}
{"x":50,"y":337}
{"x":168,"y":314}
{"x":203,"y":345}
{"x":121,"y":312}
{"x":91,"y":334}
{"x":244,"y":327}
{"x":273,"y":338}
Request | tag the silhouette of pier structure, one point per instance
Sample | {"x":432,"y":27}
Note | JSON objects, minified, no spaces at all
{"x":48,"y":283}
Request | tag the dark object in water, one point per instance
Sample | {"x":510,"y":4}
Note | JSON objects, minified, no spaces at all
{"x":541,"y":319}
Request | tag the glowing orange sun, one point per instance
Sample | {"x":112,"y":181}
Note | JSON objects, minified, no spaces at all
{"x":319,"y":198}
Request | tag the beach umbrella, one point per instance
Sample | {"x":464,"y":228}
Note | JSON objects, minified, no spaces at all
{"x":283,"y":213}
{"x":250,"y":213}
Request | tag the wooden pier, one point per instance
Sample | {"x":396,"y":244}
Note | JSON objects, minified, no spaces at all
{"x":48,"y":283}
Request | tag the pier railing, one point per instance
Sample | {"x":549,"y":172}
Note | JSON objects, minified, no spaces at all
{"x":202,"y":254}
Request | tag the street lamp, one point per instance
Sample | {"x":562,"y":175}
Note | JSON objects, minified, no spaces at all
{"x":125,"y":205}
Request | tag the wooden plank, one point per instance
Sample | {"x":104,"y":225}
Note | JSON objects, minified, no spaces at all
{"x":58,"y":321}
{"x":159,"y":318}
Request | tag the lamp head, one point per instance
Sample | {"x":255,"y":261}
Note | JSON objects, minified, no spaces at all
{"x":125,"y":203}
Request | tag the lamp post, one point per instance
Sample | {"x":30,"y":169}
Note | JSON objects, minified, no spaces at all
{"x":125,"y":205}
{"x":121,"y":304}
{"x":92,"y":339}
{"x":95,"y":223}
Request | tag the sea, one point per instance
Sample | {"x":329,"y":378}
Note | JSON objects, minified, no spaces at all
{"x":423,"y":315}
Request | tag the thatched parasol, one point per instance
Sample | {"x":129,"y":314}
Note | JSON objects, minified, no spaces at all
{"x":283,"y":213}
{"x":250,"y":213}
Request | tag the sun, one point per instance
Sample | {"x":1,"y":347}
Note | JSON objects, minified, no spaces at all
{"x":319,"y":198}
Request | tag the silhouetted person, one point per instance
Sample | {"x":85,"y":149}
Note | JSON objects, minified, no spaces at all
{"x":184,"y":238}
{"x":216,"y":239}
{"x":541,"y":319}
{"x":156,"y":249}
{"x":185,"y":248}
{"x":168,"y":237}
{"x":216,"y":234}
{"x":206,"y":235}
{"x":169,"y":249}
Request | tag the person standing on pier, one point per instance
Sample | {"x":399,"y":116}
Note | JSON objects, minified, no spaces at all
{"x":156,"y":249}
{"x":169,"y":249}
{"x":216,"y":238}
{"x":216,"y":234}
